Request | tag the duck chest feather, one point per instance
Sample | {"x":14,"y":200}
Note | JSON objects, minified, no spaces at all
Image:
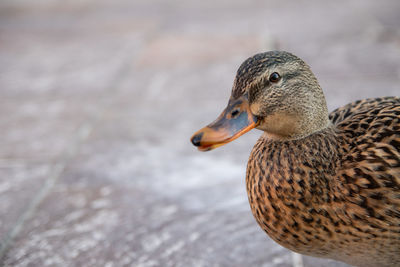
{"x":315,"y":196}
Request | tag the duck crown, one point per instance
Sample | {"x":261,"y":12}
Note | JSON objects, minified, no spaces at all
{"x":255,"y":67}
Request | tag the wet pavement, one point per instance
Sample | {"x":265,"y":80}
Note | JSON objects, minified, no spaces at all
{"x":98,"y":100}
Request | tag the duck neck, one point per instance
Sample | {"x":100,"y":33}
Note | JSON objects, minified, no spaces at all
{"x":297,"y":118}
{"x":284,"y":127}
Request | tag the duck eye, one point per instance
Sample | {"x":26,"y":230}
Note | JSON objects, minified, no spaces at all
{"x":235,"y":112}
{"x":274,"y":77}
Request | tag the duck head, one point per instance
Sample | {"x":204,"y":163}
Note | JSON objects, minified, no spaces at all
{"x":275,"y":92}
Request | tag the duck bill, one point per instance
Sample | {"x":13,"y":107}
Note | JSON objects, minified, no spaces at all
{"x":233,"y":122}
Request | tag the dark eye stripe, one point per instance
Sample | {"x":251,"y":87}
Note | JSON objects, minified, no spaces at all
{"x":291,"y":75}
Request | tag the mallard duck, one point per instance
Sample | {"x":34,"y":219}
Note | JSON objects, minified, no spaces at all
{"x":320,"y":184}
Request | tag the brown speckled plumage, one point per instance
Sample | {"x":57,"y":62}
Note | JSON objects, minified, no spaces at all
{"x":325,"y":185}
{"x":335,"y":193}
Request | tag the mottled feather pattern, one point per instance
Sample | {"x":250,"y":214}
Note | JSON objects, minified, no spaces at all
{"x":335,"y":193}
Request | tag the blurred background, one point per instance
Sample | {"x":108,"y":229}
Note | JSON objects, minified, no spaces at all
{"x":98,"y":100}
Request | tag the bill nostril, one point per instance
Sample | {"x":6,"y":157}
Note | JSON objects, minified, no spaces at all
{"x":196,"y":139}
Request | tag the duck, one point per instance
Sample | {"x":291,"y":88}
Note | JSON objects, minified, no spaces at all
{"x":320,"y":184}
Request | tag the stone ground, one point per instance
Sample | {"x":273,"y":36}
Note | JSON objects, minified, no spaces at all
{"x":98,"y":100}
